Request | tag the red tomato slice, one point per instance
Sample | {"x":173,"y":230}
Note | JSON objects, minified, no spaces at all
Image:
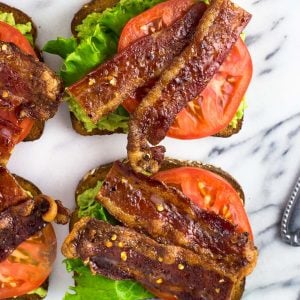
{"x":12,"y":35}
{"x":29,"y":265}
{"x":217,"y":105}
{"x":214,"y":109}
{"x":152,"y":20}
{"x":210,"y":192}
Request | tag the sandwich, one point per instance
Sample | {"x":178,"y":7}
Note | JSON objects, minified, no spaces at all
{"x":29,"y":91}
{"x":181,"y":69}
{"x":181,"y":234}
{"x":27,"y":238}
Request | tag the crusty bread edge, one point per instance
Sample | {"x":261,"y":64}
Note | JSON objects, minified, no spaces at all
{"x":91,"y":7}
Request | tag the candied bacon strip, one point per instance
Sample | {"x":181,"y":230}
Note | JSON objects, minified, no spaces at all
{"x":21,"y":216}
{"x":20,"y":222}
{"x":182,"y":81}
{"x":11,"y":193}
{"x":101,"y":91}
{"x":168,"y":271}
{"x":168,"y":216}
{"x":27,"y":84}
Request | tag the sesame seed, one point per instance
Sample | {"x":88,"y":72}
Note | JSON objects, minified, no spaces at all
{"x":207,"y":200}
{"x":124,"y":256}
{"x":114,"y":237}
{"x":159,"y":281}
{"x":113,"y":81}
{"x":201,"y":185}
{"x":221,"y":280}
{"x":120,"y":245}
{"x":217,"y":291}
{"x":160,"y":259}
{"x":4,"y":47}
{"x":181,"y":267}
{"x":108,"y":244}
{"x":160,"y":207}
{"x":124,"y":180}
{"x":92,"y":81}
{"x":5,"y":94}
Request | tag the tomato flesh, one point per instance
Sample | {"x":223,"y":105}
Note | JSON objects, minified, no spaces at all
{"x":210,"y":192}
{"x":217,"y":105}
{"x":12,"y":35}
{"x":152,"y":20}
{"x":29,"y":265}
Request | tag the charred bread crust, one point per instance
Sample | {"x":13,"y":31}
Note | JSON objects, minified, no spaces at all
{"x":80,"y":129}
{"x":34,"y":190}
{"x":94,"y":6}
{"x":22,"y":18}
{"x":45,"y":286}
{"x":36,"y":131}
{"x":239,"y":289}
{"x":229,"y":130}
{"x":92,"y":177}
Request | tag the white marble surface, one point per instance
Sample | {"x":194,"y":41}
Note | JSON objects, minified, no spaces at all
{"x":264,"y":156}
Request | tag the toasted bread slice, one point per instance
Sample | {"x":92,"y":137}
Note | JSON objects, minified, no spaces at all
{"x":99,"y":6}
{"x":229,"y":130}
{"x":34,"y":190}
{"x":94,"y":6}
{"x":22,"y":18}
{"x":92,"y":177}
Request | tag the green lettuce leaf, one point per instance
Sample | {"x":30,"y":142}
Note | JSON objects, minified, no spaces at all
{"x":88,"y":286}
{"x":61,"y":46}
{"x":98,"y":37}
{"x":89,"y":207}
{"x":41,"y":292}
{"x":25,"y":29}
{"x":239,"y":114}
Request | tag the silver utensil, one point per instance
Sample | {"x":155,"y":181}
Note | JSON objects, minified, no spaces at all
{"x":289,"y":234}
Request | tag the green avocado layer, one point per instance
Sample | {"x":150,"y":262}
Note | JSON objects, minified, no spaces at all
{"x":116,"y":120}
{"x":25,"y":29}
{"x":89,"y":286}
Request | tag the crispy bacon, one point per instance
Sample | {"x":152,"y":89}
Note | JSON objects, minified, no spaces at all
{"x":21,"y":216}
{"x":101,"y":91}
{"x":169,"y":272}
{"x":182,"y":81}
{"x":19,"y":222}
{"x":27,"y":84}
{"x":168,"y":216}
{"x":10,"y":191}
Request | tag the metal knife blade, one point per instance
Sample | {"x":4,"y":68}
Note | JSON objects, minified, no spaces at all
{"x":290,"y":228}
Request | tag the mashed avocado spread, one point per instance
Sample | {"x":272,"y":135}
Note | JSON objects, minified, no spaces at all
{"x":25,"y":29}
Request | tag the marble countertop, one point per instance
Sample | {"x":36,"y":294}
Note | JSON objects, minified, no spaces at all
{"x":264,"y":157}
